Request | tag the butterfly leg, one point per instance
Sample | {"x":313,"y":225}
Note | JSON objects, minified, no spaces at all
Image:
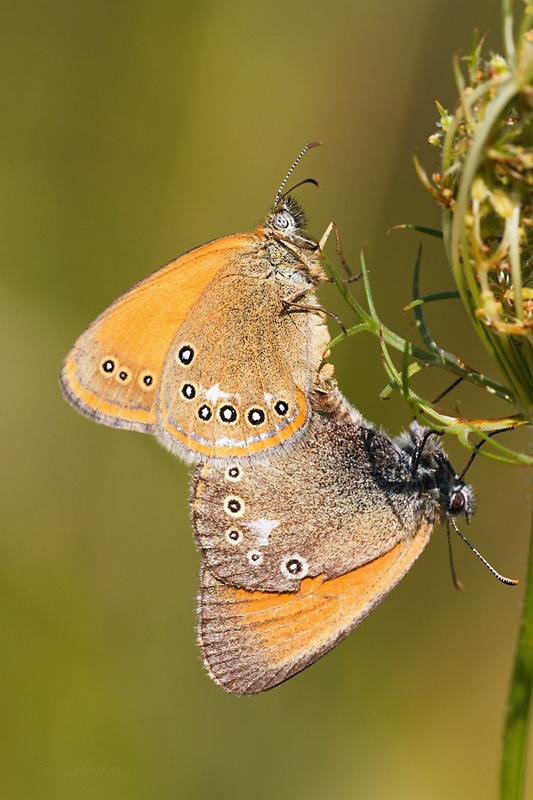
{"x":325,"y":236}
{"x":291,"y":304}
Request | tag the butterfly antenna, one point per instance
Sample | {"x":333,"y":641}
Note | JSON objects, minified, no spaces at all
{"x":437,"y":433}
{"x":289,"y":173}
{"x":421,"y":446}
{"x":502,"y":578}
{"x":456,"y":582}
{"x":477,"y":448}
{"x":449,"y":389}
{"x":301,"y":183}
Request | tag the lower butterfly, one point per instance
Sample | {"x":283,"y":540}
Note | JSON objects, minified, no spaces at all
{"x":298,"y":551}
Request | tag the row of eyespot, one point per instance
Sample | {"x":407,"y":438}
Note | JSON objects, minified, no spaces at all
{"x":109,"y":368}
{"x":185,"y":357}
{"x":228,"y":413}
{"x":294,"y":566}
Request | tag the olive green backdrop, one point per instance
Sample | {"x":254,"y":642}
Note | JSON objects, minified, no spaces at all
{"x":131,"y":132}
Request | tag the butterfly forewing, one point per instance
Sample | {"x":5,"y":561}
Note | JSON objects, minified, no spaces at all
{"x":113,"y":372}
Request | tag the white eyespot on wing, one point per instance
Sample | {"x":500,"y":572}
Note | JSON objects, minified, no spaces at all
{"x":294,"y":567}
{"x":262,"y":528}
{"x":255,"y":558}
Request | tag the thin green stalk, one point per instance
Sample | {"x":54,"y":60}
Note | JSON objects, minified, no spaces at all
{"x":515,"y":734}
{"x":436,"y":356}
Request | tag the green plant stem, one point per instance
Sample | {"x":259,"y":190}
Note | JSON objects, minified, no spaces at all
{"x":515,"y":733}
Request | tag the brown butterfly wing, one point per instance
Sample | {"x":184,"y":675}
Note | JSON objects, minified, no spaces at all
{"x":252,"y":641}
{"x":113,"y":372}
{"x":237,"y":377}
{"x":205,"y":353}
{"x":340,"y":498}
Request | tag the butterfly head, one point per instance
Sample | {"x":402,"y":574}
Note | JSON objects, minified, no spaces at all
{"x":447,"y":493}
{"x":287,"y":217}
{"x":462,"y":500}
{"x":286,"y":223}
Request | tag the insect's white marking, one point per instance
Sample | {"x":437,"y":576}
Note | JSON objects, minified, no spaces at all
{"x":215,"y":393}
{"x":263,"y":528}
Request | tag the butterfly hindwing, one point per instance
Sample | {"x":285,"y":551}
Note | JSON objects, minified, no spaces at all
{"x":321,"y":510}
{"x":254,"y":640}
{"x":235,"y":384}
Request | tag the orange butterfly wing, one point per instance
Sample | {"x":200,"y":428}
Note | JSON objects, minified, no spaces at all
{"x":112,"y":373}
{"x":253,"y":640}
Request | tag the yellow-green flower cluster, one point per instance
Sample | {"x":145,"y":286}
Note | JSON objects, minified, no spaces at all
{"x":485,"y":188}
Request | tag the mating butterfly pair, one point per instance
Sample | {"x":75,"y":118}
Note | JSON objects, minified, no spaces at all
{"x":305,"y":515}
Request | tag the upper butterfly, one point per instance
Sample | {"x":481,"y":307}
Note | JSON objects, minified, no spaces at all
{"x":216,"y":353}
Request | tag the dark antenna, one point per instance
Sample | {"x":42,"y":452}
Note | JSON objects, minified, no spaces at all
{"x":477,"y":448}
{"x":420,"y":449}
{"x":289,"y":173}
{"x":446,"y":391}
{"x":300,"y":183}
{"x":456,"y":582}
{"x":429,"y":433}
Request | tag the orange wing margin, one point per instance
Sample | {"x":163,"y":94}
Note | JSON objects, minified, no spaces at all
{"x":252,"y":640}
{"x":138,"y":329}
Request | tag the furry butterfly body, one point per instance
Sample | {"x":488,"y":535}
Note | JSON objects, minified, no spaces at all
{"x":211,"y":354}
{"x":296,"y":553}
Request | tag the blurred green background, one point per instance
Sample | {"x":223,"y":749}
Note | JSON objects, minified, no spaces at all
{"x":132,"y":132}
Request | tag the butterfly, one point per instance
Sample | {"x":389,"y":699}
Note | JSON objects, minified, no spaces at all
{"x":296,"y":552}
{"x":215,"y":354}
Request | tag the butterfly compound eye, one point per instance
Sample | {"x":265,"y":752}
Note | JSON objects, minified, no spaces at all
{"x":282,"y":220}
{"x":458,"y":502}
{"x":462,"y":501}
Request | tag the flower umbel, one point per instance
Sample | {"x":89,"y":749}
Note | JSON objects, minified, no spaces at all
{"x":485,"y":188}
